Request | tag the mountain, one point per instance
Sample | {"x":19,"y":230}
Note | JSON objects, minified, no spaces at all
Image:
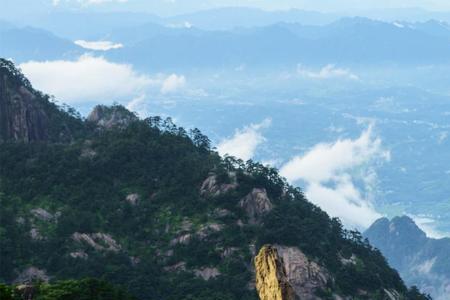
{"x":150,"y":207}
{"x":430,"y":27}
{"x":27,"y":115}
{"x":29,"y":43}
{"x":421,"y":261}
{"x":132,"y":35}
{"x":346,"y":41}
{"x":227,"y":18}
{"x":95,"y":25}
{"x":150,"y":43}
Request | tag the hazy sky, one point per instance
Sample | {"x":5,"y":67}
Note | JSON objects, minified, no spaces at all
{"x":170,"y":7}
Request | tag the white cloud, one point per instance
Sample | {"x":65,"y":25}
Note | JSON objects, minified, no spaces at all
{"x":87,"y":2}
{"x":340,"y":177}
{"x":98,"y":45}
{"x":139,"y":106}
{"x":173,"y":83}
{"x":327,"y":72}
{"x":91,"y":78}
{"x":101,"y":1}
{"x":86,"y":79}
{"x":428,"y":225}
{"x":245,"y":141}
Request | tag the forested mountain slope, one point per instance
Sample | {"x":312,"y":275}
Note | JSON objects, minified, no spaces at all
{"x":150,"y":207}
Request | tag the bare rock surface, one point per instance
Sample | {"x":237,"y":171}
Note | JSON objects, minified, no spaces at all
{"x":207,"y":273}
{"x":108,"y":117}
{"x":27,"y":115}
{"x":256,"y":204}
{"x":271,"y":278}
{"x":98,"y":241}
{"x":304,"y":275}
{"x":30,"y":275}
{"x":133,"y":199}
{"x":182,"y":239}
{"x":79,"y":254}
{"x":22,"y":118}
{"x":207,"y":229}
{"x":210,"y":187}
{"x":43,"y":215}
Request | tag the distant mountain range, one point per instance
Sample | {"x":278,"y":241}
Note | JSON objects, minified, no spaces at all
{"x":347,"y":41}
{"x":28,"y":43}
{"x":180,"y":46}
{"x":421,"y":261}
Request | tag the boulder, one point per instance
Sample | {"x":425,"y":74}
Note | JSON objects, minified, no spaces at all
{"x":133,"y":199}
{"x":31,"y":275}
{"x":207,"y":273}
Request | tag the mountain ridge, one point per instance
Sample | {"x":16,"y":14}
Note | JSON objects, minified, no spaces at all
{"x":421,"y":260}
{"x":153,"y":208}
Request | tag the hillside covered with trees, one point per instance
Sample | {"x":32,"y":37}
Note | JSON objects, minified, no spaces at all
{"x":151,"y":208}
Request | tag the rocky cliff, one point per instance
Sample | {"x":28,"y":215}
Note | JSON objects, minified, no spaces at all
{"x":22,"y":118}
{"x":271,"y":279}
{"x":27,"y":115}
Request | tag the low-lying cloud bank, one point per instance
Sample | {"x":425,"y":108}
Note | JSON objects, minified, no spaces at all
{"x":244,"y":142}
{"x":87,"y":2}
{"x":340,"y":177}
{"x":91,"y":78}
{"x":98,"y":45}
{"x":428,"y":225}
{"x":328,"y":72}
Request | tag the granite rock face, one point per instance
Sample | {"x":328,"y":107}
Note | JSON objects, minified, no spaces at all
{"x":27,"y":115}
{"x":109,"y":117}
{"x":286,"y":273}
{"x":22,"y":118}
{"x":305,"y":276}
{"x":212,"y":188}
{"x":271,"y":279}
{"x":256,"y":204}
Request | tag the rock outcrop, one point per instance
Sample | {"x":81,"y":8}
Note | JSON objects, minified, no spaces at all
{"x":133,"y":199}
{"x":30,"y":275}
{"x":305,"y":276}
{"x":98,"y":241}
{"x":109,"y":117}
{"x":27,"y":115}
{"x":207,"y":273}
{"x":211,"y":188}
{"x":22,"y":118}
{"x":271,"y":280}
{"x":43,"y":215}
{"x":256,"y":204}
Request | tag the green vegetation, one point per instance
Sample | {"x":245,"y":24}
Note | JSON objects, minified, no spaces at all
{"x":66,"y":210}
{"x":86,"y":289}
